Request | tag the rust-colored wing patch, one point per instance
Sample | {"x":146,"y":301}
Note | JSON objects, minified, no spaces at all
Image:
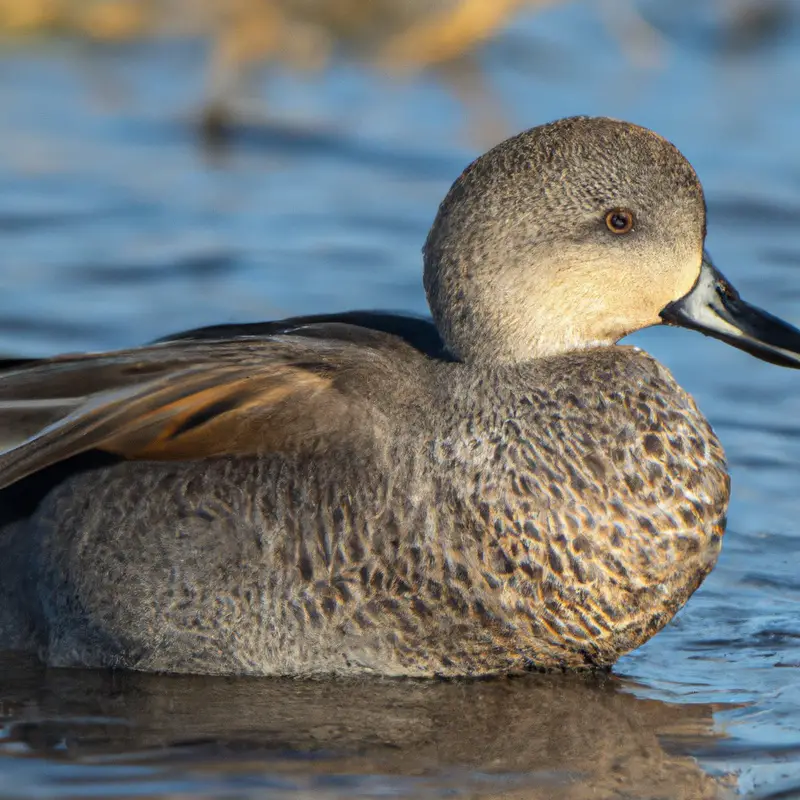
{"x":180,"y":411}
{"x":225,"y":419}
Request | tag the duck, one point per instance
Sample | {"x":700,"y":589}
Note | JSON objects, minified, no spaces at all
{"x":498,"y":489}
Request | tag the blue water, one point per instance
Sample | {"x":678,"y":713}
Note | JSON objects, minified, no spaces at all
{"x":117,"y":226}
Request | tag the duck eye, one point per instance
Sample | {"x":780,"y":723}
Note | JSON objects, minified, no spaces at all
{"x":619,"y":220}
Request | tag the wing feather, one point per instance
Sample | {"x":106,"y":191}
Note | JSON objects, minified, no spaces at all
{"x":199,"y":398}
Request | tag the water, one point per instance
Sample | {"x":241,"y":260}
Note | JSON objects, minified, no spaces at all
{"x":117,"y":227}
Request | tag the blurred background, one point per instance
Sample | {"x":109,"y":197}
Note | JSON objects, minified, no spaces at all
{"x":166,"y":164}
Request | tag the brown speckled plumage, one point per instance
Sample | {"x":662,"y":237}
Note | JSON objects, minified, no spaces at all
{"x":339,"y":495}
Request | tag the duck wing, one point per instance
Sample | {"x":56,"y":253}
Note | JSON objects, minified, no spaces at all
{"x":195,"y":396}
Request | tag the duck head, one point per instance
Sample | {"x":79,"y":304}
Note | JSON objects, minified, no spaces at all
{"x":575,"y":234}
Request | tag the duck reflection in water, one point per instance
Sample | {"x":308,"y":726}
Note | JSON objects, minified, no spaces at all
{"x":532,"y":738}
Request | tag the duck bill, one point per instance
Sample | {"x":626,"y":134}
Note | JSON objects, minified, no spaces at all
{"x":715,"y":308}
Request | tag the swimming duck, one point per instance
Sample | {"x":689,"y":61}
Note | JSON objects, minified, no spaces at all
{"x":504,"y":488}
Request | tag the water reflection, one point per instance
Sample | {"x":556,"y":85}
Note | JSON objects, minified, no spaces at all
{"x":534,"y":737}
